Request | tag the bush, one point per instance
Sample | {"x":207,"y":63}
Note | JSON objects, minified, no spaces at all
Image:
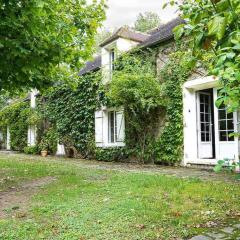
{"x":15,"y":116}
{"x":111,"y":154}
{"x":31,"y":150}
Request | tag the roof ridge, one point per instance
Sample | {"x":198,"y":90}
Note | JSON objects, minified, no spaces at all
{"x":163,"y":33}
{"x":125,"y":32}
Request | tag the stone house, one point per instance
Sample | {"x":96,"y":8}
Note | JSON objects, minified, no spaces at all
{"x":206,"y":128}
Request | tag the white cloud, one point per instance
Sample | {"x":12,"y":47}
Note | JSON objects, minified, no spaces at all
{"x":124,"y":12}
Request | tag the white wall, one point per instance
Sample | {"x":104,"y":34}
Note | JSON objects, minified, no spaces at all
{"x":124,"y":45}
{"x":230,"y":150}
{"x":8,"y":146}
{"x":60,"y":150}
{"x":32,"y":135}
{"x":33,"y":94}
{"x":32,"y":130}
{"x":121,"y":45}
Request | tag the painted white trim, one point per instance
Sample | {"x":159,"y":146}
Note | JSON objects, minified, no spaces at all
{"x":190,"y":125}
{"x":32,"y":135}
{"x":60,"y":150}
{"x":202,"y":83}
{"x":219,"y":145}
{"x":202,"y":161}
{"x":205,"y":149}
{"x":190,"y":122}
{"x":8,"y":143}
{"x":105,"y":129}
{"x":33,"y":94}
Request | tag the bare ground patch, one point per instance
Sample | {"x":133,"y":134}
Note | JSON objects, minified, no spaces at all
{"x":15,"y":201}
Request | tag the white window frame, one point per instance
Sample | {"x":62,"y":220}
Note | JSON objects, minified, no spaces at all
{"x":112,"y":139}
{"x":106,"y":137}
{"x":112,"y":57}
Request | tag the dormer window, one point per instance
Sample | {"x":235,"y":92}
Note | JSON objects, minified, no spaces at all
{"x":123,"y":40}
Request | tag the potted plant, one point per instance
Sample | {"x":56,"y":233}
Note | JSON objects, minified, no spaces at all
{"x":43,"y":146}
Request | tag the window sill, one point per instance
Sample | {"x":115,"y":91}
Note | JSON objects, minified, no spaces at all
{"x":111,"y":145}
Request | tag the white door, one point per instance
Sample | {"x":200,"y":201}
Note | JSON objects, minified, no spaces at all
{"x":205,"y":125}
{"x":226,"y":124}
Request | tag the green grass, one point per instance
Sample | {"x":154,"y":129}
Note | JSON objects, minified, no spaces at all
{"x":102,"y":204}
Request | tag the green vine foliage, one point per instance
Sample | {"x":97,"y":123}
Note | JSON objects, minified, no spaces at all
{"x":169,"y":146}
{"x":67,"y":115}
{"x":16,"y":117}
{"x":71,"y":111}
{"x":212,"y":30}
{"x":111,"y":154}
{"x":135,"y":87}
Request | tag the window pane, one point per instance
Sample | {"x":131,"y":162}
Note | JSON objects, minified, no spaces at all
{"x":206,"y":98}
{"x":230,"y":138}
{"x":230,"y":116}
{"x":207,"y":117}
{"x":201,"y":107}
{"x":222,"y":114}
{"x":207,"y":108}
{"x":222,"y":106}
{"x":230,"y":125}
{"x":207,"y":137}
{"x":202,"y":117}
{"x":222,"y":125}
{"x":202,"y":127}
{"x":203,"y":139}
{"x":223,"y":136}
{"x":111,"y":126}
{"x":112,"y":56}
{"x":207,"y":127}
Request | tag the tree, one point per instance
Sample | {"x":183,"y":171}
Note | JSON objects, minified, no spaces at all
{"x":101,"y":36}
{"x":147,"y":21}
{"x":39,"y":37}
{"x":213,"y":32}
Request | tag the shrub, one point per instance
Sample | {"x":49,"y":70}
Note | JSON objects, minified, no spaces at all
{"x":111,"y":154}
{"x":31,"y":150}
{"x":136,"y":88}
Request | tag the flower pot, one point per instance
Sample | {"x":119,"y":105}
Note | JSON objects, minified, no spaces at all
{"x":44,"y":153}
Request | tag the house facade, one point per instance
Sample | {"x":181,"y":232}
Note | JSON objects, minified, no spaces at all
{"x":207,"y":130}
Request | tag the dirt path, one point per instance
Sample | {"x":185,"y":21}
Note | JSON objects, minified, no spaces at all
{"x":15,"y":201}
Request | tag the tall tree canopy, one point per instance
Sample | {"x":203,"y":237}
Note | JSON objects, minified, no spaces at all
{"x":213,"y":30}
{"x":39,"y":37}
{"x":147,"y":21}
{"x":101,"y":36}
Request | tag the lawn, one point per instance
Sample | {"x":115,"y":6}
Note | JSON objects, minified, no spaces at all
{"x":85,"y":203}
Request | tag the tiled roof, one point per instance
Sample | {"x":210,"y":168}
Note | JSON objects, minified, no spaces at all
{"x":161,"y":34}
{"x":127,"y":33}
{"x":91,"y":66}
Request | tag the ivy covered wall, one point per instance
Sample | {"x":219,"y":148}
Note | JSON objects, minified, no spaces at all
{"x":147,"y":83}
{"x":169,"y":145}
{"x":16,"y":117}
{"x":71,"y":112}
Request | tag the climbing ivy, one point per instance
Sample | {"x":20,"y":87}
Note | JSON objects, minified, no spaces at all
{"x":15,"y":116}
{"x":71,"y":111}
{"x":169,"y":146}
{"x":67,"y":115}
{"x":136,"y":88}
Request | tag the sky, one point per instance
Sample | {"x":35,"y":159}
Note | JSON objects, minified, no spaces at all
{"x":124,"y":12}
